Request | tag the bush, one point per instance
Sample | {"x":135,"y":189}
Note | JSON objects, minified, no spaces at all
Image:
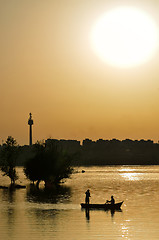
{"x":8,"y":159}
{"x":48,"y":165}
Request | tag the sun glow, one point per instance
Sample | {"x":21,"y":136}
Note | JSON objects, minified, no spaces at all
{"x":131,"y":176}
{"x":125,"y":37}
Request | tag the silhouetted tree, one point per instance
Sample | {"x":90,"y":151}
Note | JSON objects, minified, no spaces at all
{"x":8,"y":159}
{"x":48,"y":165}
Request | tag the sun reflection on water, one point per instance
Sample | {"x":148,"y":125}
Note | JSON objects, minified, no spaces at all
{"x":130,"y":174}
{"x":125,"y":230}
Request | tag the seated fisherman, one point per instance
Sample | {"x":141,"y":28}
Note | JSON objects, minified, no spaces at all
{"x":112,"y":201}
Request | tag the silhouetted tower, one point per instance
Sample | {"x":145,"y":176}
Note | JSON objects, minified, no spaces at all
{"x":30,"y":123}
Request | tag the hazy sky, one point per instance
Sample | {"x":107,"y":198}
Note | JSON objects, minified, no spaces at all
{"x":48,"y":67}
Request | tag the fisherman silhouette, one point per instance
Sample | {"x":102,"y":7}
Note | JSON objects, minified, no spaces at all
{"x":87,"y":196}
{"x":112,"y":201}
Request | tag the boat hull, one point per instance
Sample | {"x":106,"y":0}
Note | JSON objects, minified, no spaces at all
{"x":104,"y":206}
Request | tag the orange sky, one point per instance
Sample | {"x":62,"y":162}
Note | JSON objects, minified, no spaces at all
{"x":49,"y":68}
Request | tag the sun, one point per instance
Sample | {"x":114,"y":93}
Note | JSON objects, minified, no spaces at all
{"x":125,"y":37}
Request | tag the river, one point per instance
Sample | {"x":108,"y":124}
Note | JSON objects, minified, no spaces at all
{"x":29,"y":214}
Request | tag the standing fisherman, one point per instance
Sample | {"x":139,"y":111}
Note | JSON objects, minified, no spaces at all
{"x":87,"y":196}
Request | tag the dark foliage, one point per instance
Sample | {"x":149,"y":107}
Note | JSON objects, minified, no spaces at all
{"x":48,"y":165}
{"x":8,"y":159}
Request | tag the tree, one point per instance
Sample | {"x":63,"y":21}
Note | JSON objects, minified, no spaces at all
{"x":8,"y":159}
{"x":48,"y":165}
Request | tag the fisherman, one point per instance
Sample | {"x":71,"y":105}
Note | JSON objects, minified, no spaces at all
{"x":87,"y":196}
{"x":112,"y":201}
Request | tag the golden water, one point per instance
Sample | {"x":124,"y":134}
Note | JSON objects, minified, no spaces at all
{"x":38,"y":215}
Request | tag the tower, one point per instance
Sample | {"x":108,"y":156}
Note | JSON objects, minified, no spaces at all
{"x":30,"y":123}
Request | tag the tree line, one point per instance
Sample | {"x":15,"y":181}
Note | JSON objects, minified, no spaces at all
{"x":43,"y":164}
{"x":53,"y":163}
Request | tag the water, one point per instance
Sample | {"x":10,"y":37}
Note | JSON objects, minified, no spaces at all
{"x":40,"y":215}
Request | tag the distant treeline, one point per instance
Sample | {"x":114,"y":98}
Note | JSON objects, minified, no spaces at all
{"x":102,"y":152}
{"x":40,"y":163}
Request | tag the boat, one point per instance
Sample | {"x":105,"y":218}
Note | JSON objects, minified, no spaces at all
{"x":105,"y":206}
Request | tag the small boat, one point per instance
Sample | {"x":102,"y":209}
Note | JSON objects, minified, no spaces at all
{"x":105,"y":206}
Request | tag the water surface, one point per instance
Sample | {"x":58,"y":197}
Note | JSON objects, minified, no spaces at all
{"x":42,"y":215}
